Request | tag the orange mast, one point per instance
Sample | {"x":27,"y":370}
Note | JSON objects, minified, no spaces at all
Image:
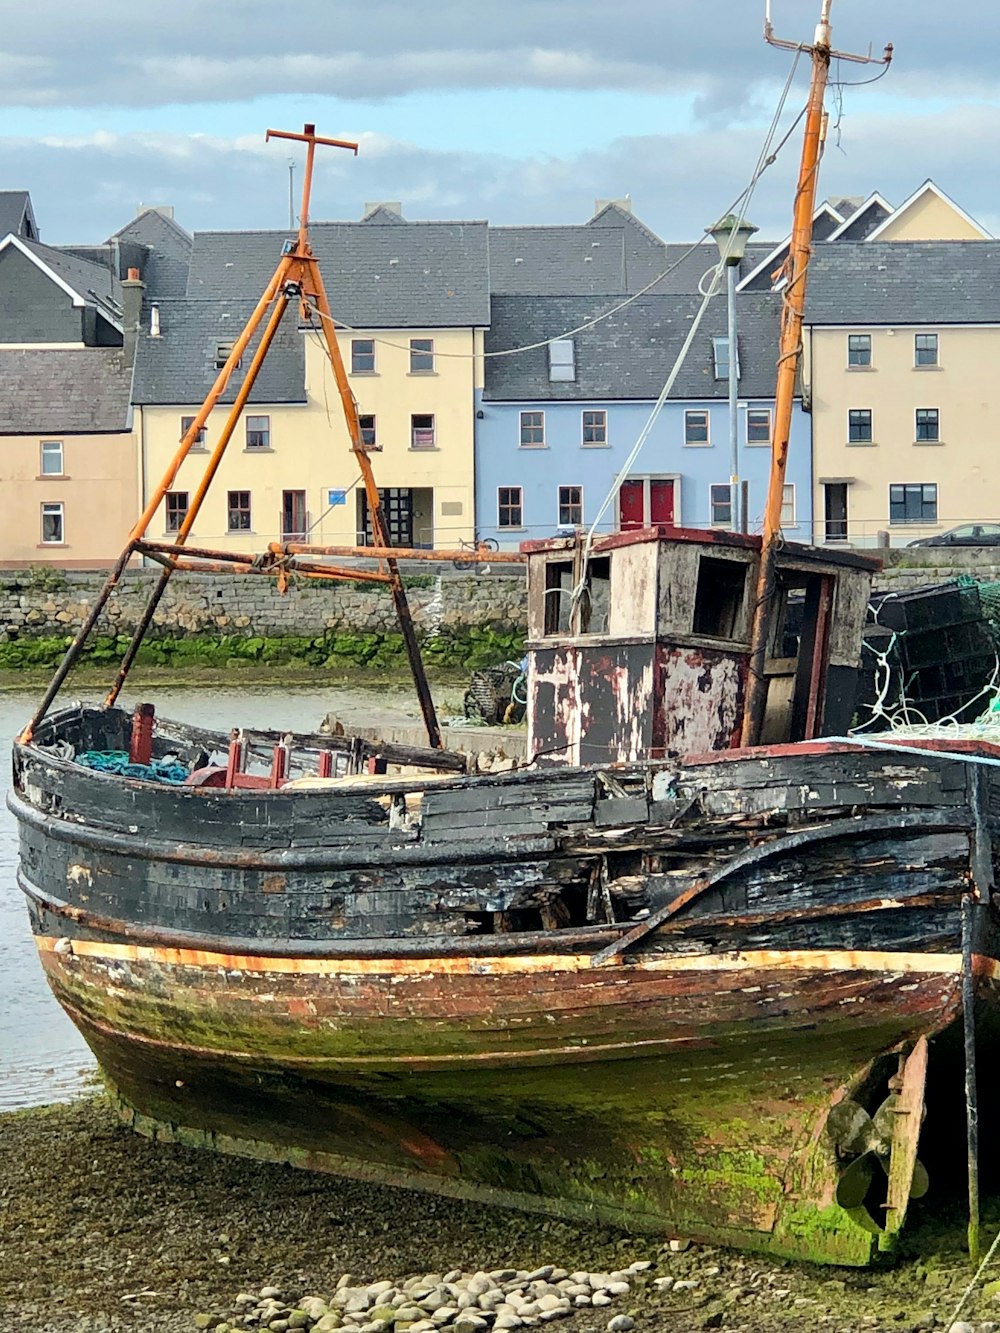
{"x":790,"y":354}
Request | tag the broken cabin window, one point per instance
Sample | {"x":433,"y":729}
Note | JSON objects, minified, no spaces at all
{"x":558,"y":596}
{"x":595,"y":605}
{"x":718,"y":599}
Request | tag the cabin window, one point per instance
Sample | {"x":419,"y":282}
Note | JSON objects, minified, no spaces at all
{"x":532,"y":430}
{"x":595,"y":605}
{"x":759,"y":425}
{"x":913,"y":502}
{"x":52,"y":458}
{"x":696,"y":428}
{"x":186,"y":424}
{"x":562,"y":360}
{"x":558,"y":596}
{"x":859,"y":350}
{"x":53,"y":528}
{"x":258,"y":432}
{"x":570,"y":506}
{"x":509,"y":508}
{"x":177,"y":508}
{"x":925,"y":349}
{"x":718,"y":598}
{"x":595,"y":429}
{"x":422,"y":431}
{"x":362,"y":356}
{"x":859,"y":425}
{"x":928,"y":425}
{"x":366,"y":425}
{"x":421,"y":356}
{"x":238,"y":509}
{"x":721,"y":505}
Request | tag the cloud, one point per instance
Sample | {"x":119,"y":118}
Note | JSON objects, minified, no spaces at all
{"x":85,"y":187}
{"x":189,"y":51}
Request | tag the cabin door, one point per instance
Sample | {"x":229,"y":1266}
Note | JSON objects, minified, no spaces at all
{"x":632,"y":506}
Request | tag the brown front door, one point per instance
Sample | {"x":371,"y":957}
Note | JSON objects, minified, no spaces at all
{"x":631,"y":506}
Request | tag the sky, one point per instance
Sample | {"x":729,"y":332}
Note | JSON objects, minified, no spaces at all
{"x":516,"y":111}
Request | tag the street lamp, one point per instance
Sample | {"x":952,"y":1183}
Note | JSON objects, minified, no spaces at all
{"x":731,"y":234}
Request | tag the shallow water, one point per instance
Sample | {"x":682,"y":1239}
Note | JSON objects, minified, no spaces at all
{"x":42,"y":1057}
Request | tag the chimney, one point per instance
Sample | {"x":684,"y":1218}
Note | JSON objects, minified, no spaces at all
{"x":154,"y":320}
{"x":133,"y":288}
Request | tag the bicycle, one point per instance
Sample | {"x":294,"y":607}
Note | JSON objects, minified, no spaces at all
{"x":479,"y":545}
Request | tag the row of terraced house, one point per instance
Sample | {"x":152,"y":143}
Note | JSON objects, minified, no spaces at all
{"x":502,"y":376}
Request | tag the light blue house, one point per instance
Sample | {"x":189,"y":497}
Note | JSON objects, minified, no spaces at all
{"x":555,"y":423}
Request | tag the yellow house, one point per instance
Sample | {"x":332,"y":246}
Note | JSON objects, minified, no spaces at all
{"x":412,"y":301}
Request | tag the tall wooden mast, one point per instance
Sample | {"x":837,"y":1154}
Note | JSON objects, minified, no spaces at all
{"x":790,"y":354}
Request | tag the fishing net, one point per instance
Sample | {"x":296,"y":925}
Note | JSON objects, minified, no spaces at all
{"x":169,"y":769}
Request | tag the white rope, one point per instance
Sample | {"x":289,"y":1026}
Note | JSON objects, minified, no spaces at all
{"x":969,"y":1289}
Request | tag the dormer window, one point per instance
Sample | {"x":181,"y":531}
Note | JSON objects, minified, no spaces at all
{"x":223,"y":352}
{"x":562,"y":360}
{"x":720,"y":354}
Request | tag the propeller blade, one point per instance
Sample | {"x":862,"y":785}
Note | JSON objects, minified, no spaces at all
{"x":883,"y":1124}
{"x":850,"y":1127}
{"x":921,"y":1180}
{"x":855,"y":1181}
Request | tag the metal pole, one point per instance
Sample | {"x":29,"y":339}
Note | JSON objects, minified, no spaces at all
{"x":734,"y":448}
{"x":969,"y":1041}
{"x":291,"y":193}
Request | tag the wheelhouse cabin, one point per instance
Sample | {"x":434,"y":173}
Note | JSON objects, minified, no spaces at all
{"x":651,"y":659}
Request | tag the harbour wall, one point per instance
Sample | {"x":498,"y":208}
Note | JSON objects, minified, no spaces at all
{"x":466,"y":619}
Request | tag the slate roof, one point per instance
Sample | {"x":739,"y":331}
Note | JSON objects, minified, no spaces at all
{"x":598,"y":258}
{"x":96,"y":284}
{"x":377,"y":274}
{"x":179,"y":366}
{"x":904,"y":282}
{"x":167,"y":252}
{"x":63,"y":392}
{"x":630,"y":354}
{"x":15,"y":213}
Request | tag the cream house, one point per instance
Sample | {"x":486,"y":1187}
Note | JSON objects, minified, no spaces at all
{"x":412,"y":301}
{"x":902,"y":344}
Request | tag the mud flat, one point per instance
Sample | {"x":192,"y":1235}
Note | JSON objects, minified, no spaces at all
{"x":102,"y":1230}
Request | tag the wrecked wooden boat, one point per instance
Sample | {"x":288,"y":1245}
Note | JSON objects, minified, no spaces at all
{"x":692,"y":995}
{"x":693,"y":969}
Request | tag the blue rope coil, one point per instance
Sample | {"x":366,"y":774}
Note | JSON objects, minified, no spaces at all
{"x":116,"y":761}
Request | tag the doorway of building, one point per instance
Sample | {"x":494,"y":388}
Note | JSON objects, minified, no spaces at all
{"x":645,"y":500}
{"x":408,"y":512}
{"x":835,"y":511}
{"x":294,"y":523}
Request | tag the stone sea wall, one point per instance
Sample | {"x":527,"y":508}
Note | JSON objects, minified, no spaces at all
{"x":461,"y":620}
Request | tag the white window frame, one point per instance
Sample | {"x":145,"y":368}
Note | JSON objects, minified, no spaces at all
{"x":420,"y":448}
{"x":44,"y":471}
{"x":355,"y":355}
{"x":569,"y":504}
{"x":264,"y":430}
{"x":926,"y":365}
{"x":230,"y":510}
{"x":416,"y":353}
{"x":601,"y":424}
{"x":760,"y":411}
{"x":178,"y":517}
{"x":871,"y":427}
{"x":522,"y":427}
{"x":562,"y":361}
{"x":510,"y":527}
{"x":788,"y":516}
{"x":859,"y":365}
{"x":717,"y":502}
{"x":53,"y":509}
{"x":371,"y":430}
{"x":186,"y":423}
{"x":722,"y":340}
{"x":927,"y":439}
{"x":706,"y":443}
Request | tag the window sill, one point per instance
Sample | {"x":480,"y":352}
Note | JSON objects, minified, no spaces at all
{"x":530,"y":447}
{"x":421,"y":374}
{"x":758,"y":444}
{"x":861,"y":444}
{"x":240,"y":532}
{"x":697,"y":444}
{"x":925,"y":444}
{"x":424,"y":449}
{"x":365,"y":374}
{"x":258,"y":449}
{"x":53,"y":476}
{"x":855,"y":370}
{"x":595,"y":446}
{"x":922,"y":368}
{"x":522,"y":528}
{"x":52,"y":546}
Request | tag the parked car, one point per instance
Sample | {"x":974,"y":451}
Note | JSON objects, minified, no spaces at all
{"x":969,"y":534}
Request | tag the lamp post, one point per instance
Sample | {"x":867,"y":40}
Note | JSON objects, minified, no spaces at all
{"x":731,"y":234}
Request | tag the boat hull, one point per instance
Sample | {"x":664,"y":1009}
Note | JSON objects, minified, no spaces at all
{"x":303,"y":978}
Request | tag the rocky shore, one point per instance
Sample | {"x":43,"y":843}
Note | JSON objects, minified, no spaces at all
{"x":103,"y":1231}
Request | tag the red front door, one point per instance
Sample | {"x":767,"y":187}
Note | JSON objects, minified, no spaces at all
{"x":631,"y":506}
{"x":661,"y":502}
